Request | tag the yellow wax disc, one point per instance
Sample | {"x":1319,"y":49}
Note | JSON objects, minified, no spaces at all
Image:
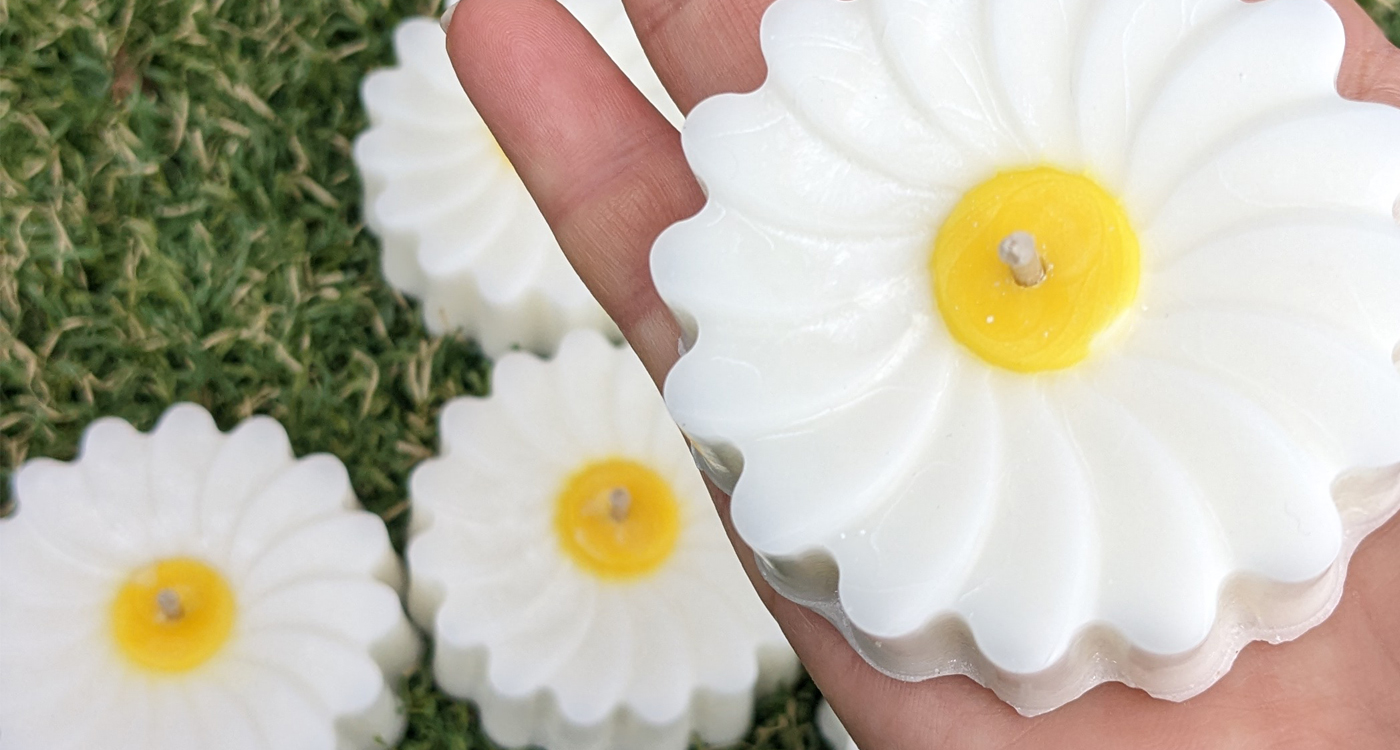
{"x":1088,"y":248}
{"x":617,"y":519}
{"x":173,"y":616}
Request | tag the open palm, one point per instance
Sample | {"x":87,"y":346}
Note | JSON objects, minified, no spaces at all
{"x":608,"y":173}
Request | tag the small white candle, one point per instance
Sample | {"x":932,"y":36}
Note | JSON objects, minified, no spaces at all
{"x":459,"y":231}
{"x":570,"y":564}
{"x":190,"y":589}
{"x":1079,"y":455}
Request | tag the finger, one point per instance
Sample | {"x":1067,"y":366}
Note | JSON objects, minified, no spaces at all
{"x":701,"y":47}
{"x":1371,"y":68}
{"x":604,"y":166}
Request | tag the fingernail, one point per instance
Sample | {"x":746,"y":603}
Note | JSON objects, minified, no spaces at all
{"x":446,"y":19}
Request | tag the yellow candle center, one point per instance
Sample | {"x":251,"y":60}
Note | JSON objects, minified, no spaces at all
{"x":1088,"y":250}
{"x":173,"y":616}
{"x":617,"y":519}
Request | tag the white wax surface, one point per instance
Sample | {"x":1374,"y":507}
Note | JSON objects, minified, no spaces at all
{"x":319,"y":639}
{"x":1159,"y":504}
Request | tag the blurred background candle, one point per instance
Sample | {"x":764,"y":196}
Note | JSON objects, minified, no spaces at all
{"x":458,"y":229}
{"x":189,"y":589}
{"x":569,"y":563}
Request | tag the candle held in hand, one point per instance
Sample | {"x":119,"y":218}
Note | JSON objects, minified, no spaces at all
{"x":1037,"y":341}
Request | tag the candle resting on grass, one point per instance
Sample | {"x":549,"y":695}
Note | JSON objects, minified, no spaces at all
{"x":189,"y":588}
{"x":459,"y":231}
{"x":569,"y":562}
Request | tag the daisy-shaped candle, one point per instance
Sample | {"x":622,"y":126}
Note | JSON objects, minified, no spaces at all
{"x":569,"y":562}
{"x":187,"y":588}
{"x":1031,"y":336}
{"x":459,"y":231}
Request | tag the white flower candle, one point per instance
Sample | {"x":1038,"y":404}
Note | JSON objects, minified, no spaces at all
{"x":189,"y":589}
{"x":1031,"y":336}
{"x":569,"y":562}
{"x":458,"y":229}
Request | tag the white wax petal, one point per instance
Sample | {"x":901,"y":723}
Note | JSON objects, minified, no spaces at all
{"x":316,"y":486}
{"x":936,"y":50}
{"x":937,"y":518}
{"x":495,"y":596}
{"x":1350,"y":269}
{"x":1247,"y":74}
{"x":524,"y":391}
{"x":76,"y":657}
{"x":728,"y":140}
{"x":1271,"y":500}
{"x":516,"y":255}
{"x":717,"y":623}
{"x":469,"y":429}
{"x":421,"y":45}
{"x":644,"y":428}
{"x":801,"y":369}
{"x":1032,"y":585}
{"x":499,"y":509}
{"x":595,"y":678}
{"x":785,"y":499}
{"x":1343,"y":159}
{"x":448,"y":489}
{"x":1128,"y":50}
{"x":357,"y":610}
{"x":255,"y":451}
{"x":59,"y":582}
{"x":226,"y":720}
{"x":586,"y":413}
{"x":415,"y":106}
{"x":1147,"y":512}
{"x":177,"y":724}
{"x":338,"y":674}
{"x":1033,"y":46}
{"x":530,"y":651}
{"x":823,"y":62}
{"x":81,"y":538}
{"x":1339,"y":402}
{"x":774,"y":277}
{"x":435,"y":200}
{"x":342,"y":544}
{"x":183,"y":446}
{"x":114,"y":460}
{"x":414,"y":147}
{"x":657,"y":689}
{"x":283,"y":707}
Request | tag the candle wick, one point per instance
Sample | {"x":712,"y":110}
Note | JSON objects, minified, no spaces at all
{"x":1019,"y":252}
{"x":170,"y":606}
{"x":619,"y":504}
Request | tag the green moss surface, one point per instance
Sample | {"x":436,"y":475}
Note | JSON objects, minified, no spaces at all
{"x":180,"y":221}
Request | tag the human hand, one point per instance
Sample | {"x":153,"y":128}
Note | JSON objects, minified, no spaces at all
{"x":608,"y":173}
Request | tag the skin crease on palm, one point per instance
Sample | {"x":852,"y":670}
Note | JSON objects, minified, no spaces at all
{"x":608,"y":172}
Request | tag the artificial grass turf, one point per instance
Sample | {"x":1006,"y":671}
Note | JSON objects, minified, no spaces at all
{"x":180,"y":221}
{"x":1387,"y":14}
